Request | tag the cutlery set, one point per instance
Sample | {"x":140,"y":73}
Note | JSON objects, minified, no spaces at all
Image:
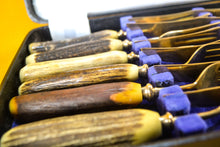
{"x":122,"y":87}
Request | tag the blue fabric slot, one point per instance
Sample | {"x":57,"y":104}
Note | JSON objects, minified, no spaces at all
{"x":172,"y":99}
{"x":189,"y":124}
{"x":124,"y":20}
{"x":134,"y":33}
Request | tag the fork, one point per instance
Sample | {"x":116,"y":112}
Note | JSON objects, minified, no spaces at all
{"x":98,"y":46}
{"x":108,"y":74}
{"x":187,"y":54}
{"x":210,"y":77}
{"x":155,"y":29}
{"x":159,"y":28}
{"x":201,"y":37}
{"x":189,"y":30}
{"x":106,"y":96}
{"x":40,"y":69}
{"x":187,"y":73}
{"x":91,"y":47}
{"x":204,"y":97}
{"x":185,"y":15}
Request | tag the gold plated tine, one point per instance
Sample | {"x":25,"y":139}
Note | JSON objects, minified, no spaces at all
{"x":190,"y":30}
{"x":202,"y":54}
{"x":205,"y":97}
{"x":214,"y":11}
{"x":178,"y":55}
{"x":187,"y":54}
{"x":154,"y":29}
{"x":157,"y":29}
{"x":210,"y":113}
{"x":184,"y":15}
{"x":197,"y":38}
{"x":208,"y":78}
{"x":187,"y":73}
{"x":212,"y":54}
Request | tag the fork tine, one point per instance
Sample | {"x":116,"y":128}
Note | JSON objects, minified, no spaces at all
{"x":218,"y":82}
{"x":212,"y":58}
{"x":207,"y":52}
{"x":212,"y":51}
{"x":208,"y":78}
{"x":212,"y":55}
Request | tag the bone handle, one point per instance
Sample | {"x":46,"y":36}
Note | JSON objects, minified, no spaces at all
{"x":130,"y":127}
{"x":76,"y":50}
{"x":32,"y":71}
{"x":51,"y":45}
{"x":76,"y":78}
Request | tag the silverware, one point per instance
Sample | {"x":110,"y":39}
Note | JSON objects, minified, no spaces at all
{"x":207,"y":79}
{"x":188,"y":54}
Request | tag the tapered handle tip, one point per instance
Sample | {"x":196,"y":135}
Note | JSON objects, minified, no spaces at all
{"x":33,"y":46}
{"x":13,"y":107}
{"x":31,"y":58}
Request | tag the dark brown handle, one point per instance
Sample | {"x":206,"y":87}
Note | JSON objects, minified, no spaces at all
{"x":76,"y":100}
{"x":77,"y":50}
{"x":51,"y":45}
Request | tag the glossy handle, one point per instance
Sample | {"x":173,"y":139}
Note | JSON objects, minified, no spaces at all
{"x":32,"y":71}
{"x":75,"y":100}
{"x":126,"y":127}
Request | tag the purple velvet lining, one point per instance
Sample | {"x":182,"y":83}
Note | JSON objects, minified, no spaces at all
{"x":214,"y":21}
{"x":198,"y":8}
{"x":202,"y":13}
{"x":140,"y":42}
{"x":172,"y":99}
{"x":152,"y":71}
{"x":205,"y":13}
{"x":149,"y":60}
{"x":138,"y":39}
{"x":213,"y":122}
{"x":161,"y":79}
{"x":14,"y":124}
{"x":124,"y":20}
{"x":150,"y":52}
{"x":132,"y":33}
{"x":189,"y":124}
{"x":161,"y":69}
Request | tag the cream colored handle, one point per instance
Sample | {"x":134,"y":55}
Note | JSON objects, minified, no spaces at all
{"x":41,"y":69}
{"x":76,"y":78}
{"x":130,"y":126}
